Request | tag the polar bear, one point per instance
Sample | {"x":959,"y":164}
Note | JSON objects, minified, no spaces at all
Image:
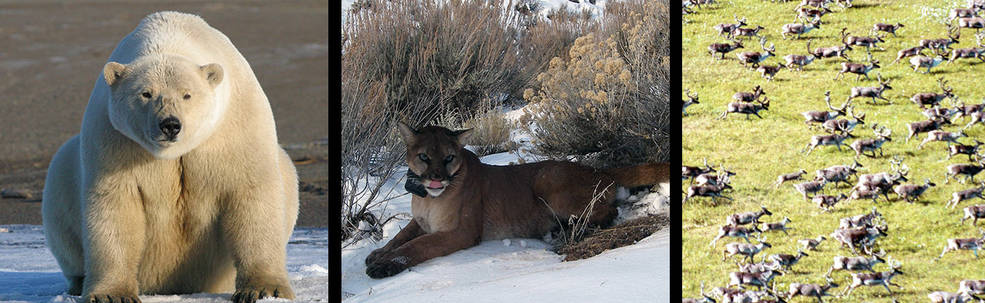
{"x":176,"y":183}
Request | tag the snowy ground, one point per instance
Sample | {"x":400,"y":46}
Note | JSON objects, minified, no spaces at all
{"x":29,"y":273}
{"x":516,"y":269}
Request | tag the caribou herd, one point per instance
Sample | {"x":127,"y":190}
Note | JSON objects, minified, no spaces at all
{"x":837,"y":130}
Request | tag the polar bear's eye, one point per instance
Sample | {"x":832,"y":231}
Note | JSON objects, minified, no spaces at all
{"x":146,"y":95}
{"x":187,"y":96}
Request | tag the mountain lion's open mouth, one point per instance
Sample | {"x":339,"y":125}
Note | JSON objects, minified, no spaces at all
{"x":435,"y":185}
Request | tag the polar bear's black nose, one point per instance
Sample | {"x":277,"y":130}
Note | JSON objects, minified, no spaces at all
{"x":170,"y":127}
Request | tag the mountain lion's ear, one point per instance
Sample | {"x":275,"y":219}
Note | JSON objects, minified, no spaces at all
{"x":462,"y":136}
{"x":408,"y":134}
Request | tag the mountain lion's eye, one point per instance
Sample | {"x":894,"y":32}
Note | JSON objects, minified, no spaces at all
{"x":423,"y":157}
{"x":449,"y":158}
{"x":146,"y":95}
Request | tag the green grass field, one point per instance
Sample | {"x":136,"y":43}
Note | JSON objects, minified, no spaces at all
{"x":759,"y":150}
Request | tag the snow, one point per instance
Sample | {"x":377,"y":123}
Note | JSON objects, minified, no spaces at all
{"x":502,"y":271}
{"x":29,"y":273}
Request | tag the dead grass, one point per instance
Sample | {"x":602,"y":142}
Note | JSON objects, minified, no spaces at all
{"x":626,"y":233}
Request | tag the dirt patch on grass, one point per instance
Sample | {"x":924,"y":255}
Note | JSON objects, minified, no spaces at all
{"x":599,"y":240}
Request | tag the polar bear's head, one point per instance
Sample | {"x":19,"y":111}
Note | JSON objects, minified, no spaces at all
{"x":167,"y":104}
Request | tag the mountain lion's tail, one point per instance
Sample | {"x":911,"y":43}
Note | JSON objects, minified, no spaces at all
{"x":640,"y":175}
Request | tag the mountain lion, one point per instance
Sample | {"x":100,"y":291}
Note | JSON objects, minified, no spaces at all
{"x":460,"y":201}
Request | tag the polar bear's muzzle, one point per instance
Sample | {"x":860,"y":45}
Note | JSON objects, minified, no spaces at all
{"x":170,"y":127}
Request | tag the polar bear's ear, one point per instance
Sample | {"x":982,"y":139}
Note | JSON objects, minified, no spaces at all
{"x":112,"y":72}
{"x":213,"y":73}
{"x":408,"y":133}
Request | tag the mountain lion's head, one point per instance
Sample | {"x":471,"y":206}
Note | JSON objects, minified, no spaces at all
{"x":434,"y":154}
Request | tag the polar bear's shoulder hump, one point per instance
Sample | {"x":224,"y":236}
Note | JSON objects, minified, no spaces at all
{"x":171,"y":18}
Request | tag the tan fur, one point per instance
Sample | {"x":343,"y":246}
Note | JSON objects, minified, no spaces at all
{"x":127,"y":214}
{"x":486,"y":202}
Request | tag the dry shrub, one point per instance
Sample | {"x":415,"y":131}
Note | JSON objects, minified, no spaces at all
{"x":542,"y":39}
{"x":608,"y":102}
{"x":432,"y":54}
{"x":491,"y":132}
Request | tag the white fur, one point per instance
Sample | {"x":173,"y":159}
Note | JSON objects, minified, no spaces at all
{"x":127,"y":215}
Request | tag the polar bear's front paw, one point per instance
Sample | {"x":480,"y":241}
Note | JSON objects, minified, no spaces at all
{"x":386,"y":266}
{"x":101,"y":298}
{"x":252,"y":294}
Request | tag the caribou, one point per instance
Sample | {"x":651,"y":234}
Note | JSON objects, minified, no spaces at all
{"x":872,"y":144}
{"x":692,"y":100}
{"x":756,"y":93}
{"x":854,"y":263}
{"x":723,"y":48}
{"x":746,"y":108}
{"x":832,"y":51}
{"x":942,"y":136}
{"x":974,"y":287}
{"x":713,"y":191}
{"x":811,"y":14}
{"x":838,"y":173}
{"x":966,"y":169}
{"x":974,"y":213}
{"x":780,"y":226}
{"x":811,"y":290}
{"x":972,"y":244}
{"x":799,"y":61}
{"x":811,"y":244}
{"x":908,"y":52}
{"x":862,"y":237}
{"x":747,"y":217}
{"x":789,"y":177}
{"x":754,"y":58}
{"x":858,"y":69}
{"x":844,"y":126}
{"x":821,"y":116}
{"x":799,"y":29}
{"x":769,"y":71}
{"x":971,"y":52}
{"x":919,"y":61}
{"x":863,"y":220}
{"x":964,"y":149}
{"x":747,"y":32}
{"x":950,"y":297}
{"x":912,"y":192}
{"x":759,"y":280}
{"x":821,"y":140}
{"x":826,"y":202}
{"x":933,"y":99}
{"x":811,"y":187}
{"x":967,"y":194}
{"x":727,"y":28}
{"x":787,"y":260}
{"x":919,"y":127}
{"x":953,"y":34}
{"x":871,"y":92}
{"x":872,"y":279}
{"x":735,"y":232}
{"x":694,"y":171}
{"x":867,"y":42}
{"x":889,"y":28}
{"x":976,"y":23}
{"x":745,"y":249}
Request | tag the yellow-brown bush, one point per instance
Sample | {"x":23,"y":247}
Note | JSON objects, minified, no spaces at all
{"x":608,"y":102}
